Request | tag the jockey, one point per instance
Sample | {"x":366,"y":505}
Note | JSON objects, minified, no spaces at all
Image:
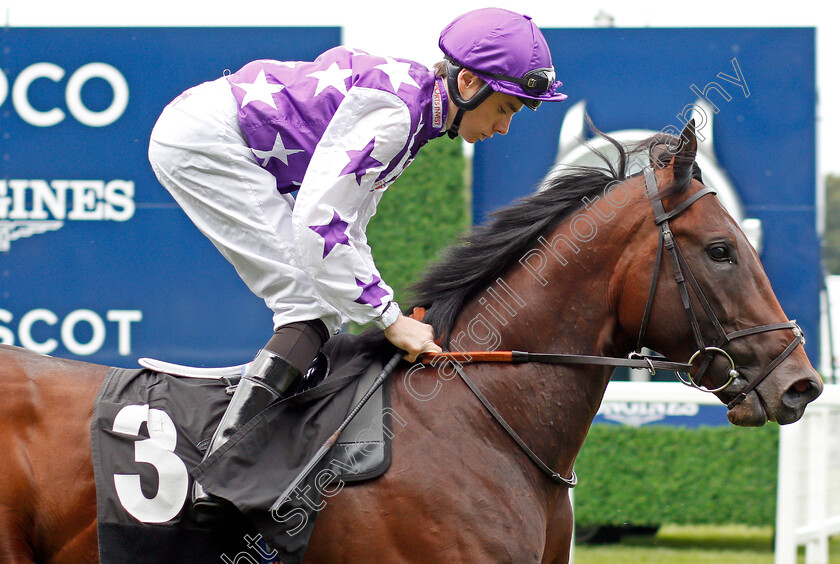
{"x":337,"y":131}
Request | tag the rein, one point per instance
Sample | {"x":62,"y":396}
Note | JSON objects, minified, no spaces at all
{"x":682,"y":274}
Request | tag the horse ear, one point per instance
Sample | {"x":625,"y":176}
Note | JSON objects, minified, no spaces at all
{"x":687,"y":152}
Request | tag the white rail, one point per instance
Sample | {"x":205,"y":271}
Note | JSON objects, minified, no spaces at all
{"x":808,"y":494}
{"x":656,"y":392}
{"x":808,"y":488}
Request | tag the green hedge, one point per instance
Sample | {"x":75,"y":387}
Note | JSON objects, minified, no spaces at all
{"x":658,"y":474}
{"x":422,"y":212}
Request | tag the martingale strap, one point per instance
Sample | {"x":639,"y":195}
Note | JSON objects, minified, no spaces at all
{"x":568,"y":482}
{"x":458,"y":359}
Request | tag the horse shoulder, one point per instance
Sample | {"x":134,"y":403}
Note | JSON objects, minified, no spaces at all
{"x":449,"y":495}
{"x":46,"y":406}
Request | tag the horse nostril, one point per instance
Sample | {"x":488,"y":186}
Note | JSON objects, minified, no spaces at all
{"x":801,"y":393}
{"x":801,"y":386}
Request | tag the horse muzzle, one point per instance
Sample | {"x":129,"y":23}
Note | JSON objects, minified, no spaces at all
{"x":750,"y":412}
{"x":783,"y":405}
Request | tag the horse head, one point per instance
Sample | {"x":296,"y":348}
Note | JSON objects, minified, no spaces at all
{"x":709,"y":300}
{"x":601,"y":262}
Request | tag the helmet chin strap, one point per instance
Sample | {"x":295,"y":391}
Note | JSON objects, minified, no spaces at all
{"x":456,"y":124}
{"x":453,"y":69}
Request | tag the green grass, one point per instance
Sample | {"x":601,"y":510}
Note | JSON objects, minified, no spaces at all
{"x":704,"y":544}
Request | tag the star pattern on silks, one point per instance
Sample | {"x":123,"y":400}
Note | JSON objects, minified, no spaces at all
{"x":334,"y":233}
{"x":397,"y":73}
{"x":278,"y":151}
{"x":360,"y":162}
{"x":404,"y":161}
{"x":372,"y":294}
{"x":259,"y":91}
{"x":333,"y":76}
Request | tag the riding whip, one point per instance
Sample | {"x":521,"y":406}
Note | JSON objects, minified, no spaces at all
{"x":330,"y":442}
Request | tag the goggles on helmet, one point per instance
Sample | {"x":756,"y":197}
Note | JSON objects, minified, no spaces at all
{"x":536,"y":82}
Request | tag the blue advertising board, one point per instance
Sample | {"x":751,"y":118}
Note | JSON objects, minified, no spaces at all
{"x":97,"y":262}
{"x":672,"y":413}
{"x":759,"y":84}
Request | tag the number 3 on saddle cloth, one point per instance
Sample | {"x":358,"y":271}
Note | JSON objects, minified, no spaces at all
{"x":148,"y":432}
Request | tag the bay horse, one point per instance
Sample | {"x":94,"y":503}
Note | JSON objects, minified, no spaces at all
{"x":577,"y":268}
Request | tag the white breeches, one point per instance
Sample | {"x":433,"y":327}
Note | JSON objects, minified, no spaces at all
{"x":200,"y":155}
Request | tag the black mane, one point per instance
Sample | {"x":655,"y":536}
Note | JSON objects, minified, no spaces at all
{"x":473,"y":264}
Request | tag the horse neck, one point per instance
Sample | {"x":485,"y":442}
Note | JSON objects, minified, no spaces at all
{"x":561,"y":297}
{"x":562,"y":294}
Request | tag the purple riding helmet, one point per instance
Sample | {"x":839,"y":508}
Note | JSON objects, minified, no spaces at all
{"x":507,"y":51}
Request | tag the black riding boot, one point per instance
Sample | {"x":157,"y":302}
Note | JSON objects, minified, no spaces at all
{"x":265,"y":380}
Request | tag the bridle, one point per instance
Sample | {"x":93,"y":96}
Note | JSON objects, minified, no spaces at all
{"x":683,"y":274}
{"x":685,"y":280}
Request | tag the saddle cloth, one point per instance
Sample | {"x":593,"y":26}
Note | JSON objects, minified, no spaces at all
{"x":148,"y":433}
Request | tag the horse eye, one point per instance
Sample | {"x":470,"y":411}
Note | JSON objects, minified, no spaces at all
{"x":719,"y":253}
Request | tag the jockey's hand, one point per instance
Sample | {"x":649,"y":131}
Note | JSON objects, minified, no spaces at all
{"x":412,"y":336}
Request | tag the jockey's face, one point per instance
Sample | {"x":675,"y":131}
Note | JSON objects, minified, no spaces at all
{"x":492,"y":116}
